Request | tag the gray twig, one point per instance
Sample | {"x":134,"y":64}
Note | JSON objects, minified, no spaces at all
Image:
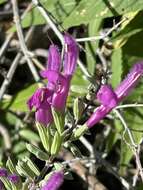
{"x":129,"y":106}
{"x":103,"y":36}
{"x":22,"y":41}
{"x":9,"y":37}
{"x":13,"y":67}
{"x":45,"y":14}
{"x":133,"y":145}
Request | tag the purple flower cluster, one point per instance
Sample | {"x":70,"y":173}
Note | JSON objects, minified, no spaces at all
{"x":55,"y":181}
{"x":14,"y":178}
{"x":56,"y":92}
{"x":109,"y":98}
{"x":3,"y":172}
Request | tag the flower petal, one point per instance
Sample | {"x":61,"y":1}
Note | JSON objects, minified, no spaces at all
{"x":54,"y":58}
{"x":41,"y":100}
{"x":51,"y":75}
{"x":60,"y":96}
{"x":99,"y":114}
{"x":107,"y":96}
{"x":55,"y":181}
{"x":130,"y":81}
{"x":70,"y":56}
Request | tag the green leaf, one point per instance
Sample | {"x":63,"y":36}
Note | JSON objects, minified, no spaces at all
{"x":114,"y":135}
{"x":79,"y":132}
{"x":132,"y":50}
{"x":56,"y":144}
{"x":79,"y":79}
{"x":45,"y":136}
{"x":19,"y":101}
{"x":132,"y":26}
{"x":86,"y":11}
{"x":2,"y":1}
{"x":29,"y":135}
{"x":79,"y":83}
{"x":10,"y":166}
{"x":23,"y":168}
{"x":19,"y":147}
{"x":37,"y":152}
{"x":73,"y":13}
{"x":58,"y":120}
{"x":91,"y":47}
{"x":78,"y":108}
{"x":6,"y":183}
{"x":32,"y":166}
{"x":59,"y":9}
{"x":116,"y":67}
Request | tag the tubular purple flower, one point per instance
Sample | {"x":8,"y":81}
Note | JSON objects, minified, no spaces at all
{"x":3,"y":172}
{"x":55,"y":181}
{"x":41,"y":100}
{"x":70,"y":55}
{"x":53,"y":59}
{"x":107,"y":96}
{"x":99,"y":114}
{"x":129,"y":83}
{"x":14,"y":178}
{"x":70,"y":62}
{"x":109,"y":99}
{"x":56,"y":92}
{"x":60,"y":96}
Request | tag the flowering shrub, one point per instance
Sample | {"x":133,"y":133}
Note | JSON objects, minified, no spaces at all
{"x":82,"y":116}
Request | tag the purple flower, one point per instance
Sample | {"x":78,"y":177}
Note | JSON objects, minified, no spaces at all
{"x":56,"y":92}
{"x":60,"y":95}
{"x":41,"y":101}
{"x":129,"y":83}
{"x":109,"y":99}
{"x":53,"y":67}
{"x":54,"y":59}
{"x":3,"y":172}
{"x":70,"y":56}
{"x":54,"y":182}
{"x":70,"y":62}
{"x":107,"y":96}
{"x":14,"y":178}
{"x":99,"y":114}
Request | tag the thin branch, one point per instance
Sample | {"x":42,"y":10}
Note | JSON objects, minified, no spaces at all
{"x":103,"y":60}
{"x":89,"y":39}
{"x":129,"y":106}
{"x":81,"y":170}
{"x":13,"y":67}
{"x":22,"y":41}
{"x":87,"y":145}
{"x":5,"y":44}
{"x":103,"y":36}
{"x":133,"y":145}
{"x":45,"y":14}
{"x":9,"y":37}
{"x":83,"y":69}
